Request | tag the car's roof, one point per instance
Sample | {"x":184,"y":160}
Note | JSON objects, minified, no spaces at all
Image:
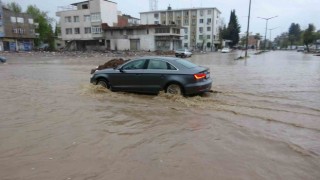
{"x":157,"y":57}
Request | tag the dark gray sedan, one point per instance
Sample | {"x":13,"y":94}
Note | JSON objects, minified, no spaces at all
{"x":154,"y":74}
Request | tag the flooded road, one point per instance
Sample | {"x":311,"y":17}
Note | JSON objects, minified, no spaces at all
{"x":261,"y":122}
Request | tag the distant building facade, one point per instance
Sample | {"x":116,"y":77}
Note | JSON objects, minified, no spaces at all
{"x":80,"y":23}
{"x":127,"y":20}
{"x":201,"y":25}
{"x":143,"y":37}
{"x":17,"y":30}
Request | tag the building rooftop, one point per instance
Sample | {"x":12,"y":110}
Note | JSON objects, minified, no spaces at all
{"x":184,"y":9}
{"x":75,"y":4}
{"x":106,"y":27}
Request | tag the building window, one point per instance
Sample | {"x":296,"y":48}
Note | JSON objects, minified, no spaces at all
{"x":68,"y":30}
{"x":21,"y":31}
{"x":209,"y":11}
{"x":208,"y":36}
{"x":163,"y":30}
{"x":30,"y":21}
{"x":86,"y":18}
{"x":208,"y":20}
{"x":76,"y":30}
{"x":87,"y":30}
{"x":32,"y":31}
{"x":208,"y":28}
{"x":76,"y":19}
{"x":95,"y":17}
{"x":185,"y":36}
{"x":13,"y":19}
{"x":201,"y":29}
{"x":156,"y":22}
{"x":194,"y":21}
{"x":156,"y":15}
{"x":15,"y":31}
{"x":200,"y":37}
{"x":178,"y":14}
{"x":186,"y":30}
{"x":20,"y":20}
{"x":67,"y":19}
{"x":96,"y":29}
{"x":186,"y":13}
{"x":201,"y":12}
{"x":194,"y":13}
{"x":186,"y":45}
{"x":200,"y":21}
{"x":186,"y":22}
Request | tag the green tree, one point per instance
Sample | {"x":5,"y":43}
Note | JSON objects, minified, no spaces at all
{"x":233,"y":29}
{"x":309,"y":36}
{"x":294,"y":33}
{"x":15,"y":7}
{"x":44,"y":29}
{"x":223,"y":34}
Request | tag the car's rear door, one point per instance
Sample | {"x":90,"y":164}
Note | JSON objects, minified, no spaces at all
{"x":156,"y":74}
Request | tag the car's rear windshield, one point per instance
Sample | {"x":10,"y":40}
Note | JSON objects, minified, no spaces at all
{"x":185,"y":63}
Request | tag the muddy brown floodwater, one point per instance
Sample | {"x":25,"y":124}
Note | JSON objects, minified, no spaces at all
{"x":261,"y":122}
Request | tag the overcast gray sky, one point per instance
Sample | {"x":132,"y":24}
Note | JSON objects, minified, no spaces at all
{"x":288,"y":11}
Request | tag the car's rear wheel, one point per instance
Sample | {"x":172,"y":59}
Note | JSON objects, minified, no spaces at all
{"x":174,"y":89}
{"x":103,"y":83}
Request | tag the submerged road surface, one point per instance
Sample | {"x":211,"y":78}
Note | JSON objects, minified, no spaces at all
{"x":261,"y":122}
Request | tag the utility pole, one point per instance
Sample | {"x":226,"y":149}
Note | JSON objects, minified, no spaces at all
{"x":265,"y":36}
{"x":246,"y":54}
{"x":270,"y":33}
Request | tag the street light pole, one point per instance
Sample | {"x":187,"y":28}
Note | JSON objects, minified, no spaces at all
{"x":246,"y":54}
{"x":265,"y":36}
{"x":270,"y":33}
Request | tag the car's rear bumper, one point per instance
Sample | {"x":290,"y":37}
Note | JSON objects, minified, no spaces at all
{"x":199,"y":87}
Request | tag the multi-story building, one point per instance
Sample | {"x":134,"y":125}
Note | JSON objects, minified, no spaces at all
{"x":201,"y":25}
{"x":80,"y":22}
{"x":17,"y":30}
{"x":143,"y":37}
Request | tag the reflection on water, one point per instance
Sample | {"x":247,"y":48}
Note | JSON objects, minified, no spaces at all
{"x":262,"y":116}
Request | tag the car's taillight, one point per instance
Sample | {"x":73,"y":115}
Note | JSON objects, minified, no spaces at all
{"x":199,"y":76}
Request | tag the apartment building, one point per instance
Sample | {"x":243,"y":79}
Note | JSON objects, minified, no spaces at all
{"x":80,"y":23}
{"x":143,"y":37}
{"x":201,"y":25}
{"x":17,"y":30}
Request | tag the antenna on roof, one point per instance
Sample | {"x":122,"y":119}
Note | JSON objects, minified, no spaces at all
{"x":153,"y":5}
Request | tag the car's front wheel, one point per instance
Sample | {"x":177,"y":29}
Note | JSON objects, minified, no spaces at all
{"x":174,"y":89}
{"x":103,"y":83}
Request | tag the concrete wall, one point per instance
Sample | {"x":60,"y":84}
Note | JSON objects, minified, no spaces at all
{"x":64,"y":25}
{"x":120,"y":44}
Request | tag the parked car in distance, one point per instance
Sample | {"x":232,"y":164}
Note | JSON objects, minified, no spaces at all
{"x":154,"y":74}
{"x":300,"y":49}
{"x":226,"y":50}
{"x":183,"y":53}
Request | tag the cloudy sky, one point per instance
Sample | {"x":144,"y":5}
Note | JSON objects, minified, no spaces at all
{"x":288,"y":11}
